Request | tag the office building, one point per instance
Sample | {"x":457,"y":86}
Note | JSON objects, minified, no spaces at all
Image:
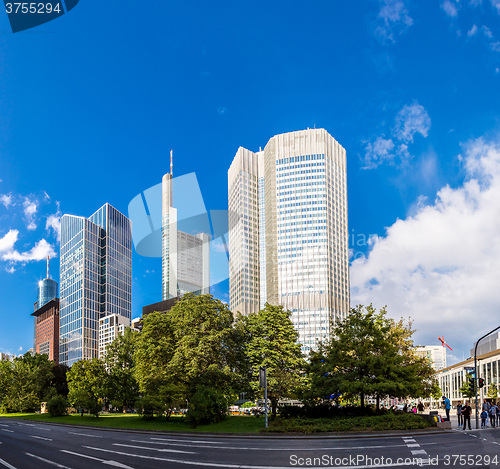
{"x":185,"y":256}
{"x":46,"y":326}
{"x":436,"y":354}
{"x":110,"y":327}
{"x":488,"y":344}
{"x":288,"y":231}
{"x":47,"y":289}
{"x":95,"y":277}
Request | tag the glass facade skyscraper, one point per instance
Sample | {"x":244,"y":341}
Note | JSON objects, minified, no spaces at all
{"x":47,"y":290}
{"x":95,"y":277}
{"x":288,"y":242}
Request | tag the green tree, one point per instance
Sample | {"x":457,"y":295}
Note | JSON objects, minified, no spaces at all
{"x":435,"y":391}
{"x":123,"y":389}
{"x":369,"y":354}
{"x":492,"y":391}
{"x":273,"y":343}
{"x":465,"y":390}
{"x":87,"y":383}
{"x":155,"y":346}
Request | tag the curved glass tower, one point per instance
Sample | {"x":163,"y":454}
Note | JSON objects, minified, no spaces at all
{"x":47,"y":290}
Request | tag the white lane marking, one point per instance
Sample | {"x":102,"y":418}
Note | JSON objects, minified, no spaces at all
{"x":413,"y":445}
{"x":186,"y":440}
{"x":257,"y":448}
{"x":229,"y":466}
{"x":104,"y":461}
{"x":83,"y":434}
{"x":418,"y":451}
{"x":163,"y":450}
{"x":409,"y":440}
{"x":41,"y":438}
{"x":5,"y":430}
{"x":47,"y":461}
{"x":3,"y":425}
{"x":6,"y":464}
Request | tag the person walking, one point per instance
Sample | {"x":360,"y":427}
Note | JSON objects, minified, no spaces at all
{"x":493,"y":414}
{"x":420,"y":407}
{"x":466,"y":411}
{"x":483,"y":418}
{"x":498,"y":413}
{"x":459,"y":414}
{"x":447,"y":407}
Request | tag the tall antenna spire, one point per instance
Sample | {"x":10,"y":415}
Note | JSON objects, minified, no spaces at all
{"x":48,"y":267}
{"x":171,"y":163}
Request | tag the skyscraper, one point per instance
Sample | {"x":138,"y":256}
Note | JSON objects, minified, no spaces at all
{"x":185,"y":256}
{"x":96,"y":279}
{"x":47,"y":289}
{"x":288,"y":231}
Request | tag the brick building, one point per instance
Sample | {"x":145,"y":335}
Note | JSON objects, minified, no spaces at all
{"x":46,"y":325}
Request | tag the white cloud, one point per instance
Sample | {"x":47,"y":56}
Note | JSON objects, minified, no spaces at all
{"x":30,"y":209}
{"x":6,"y":200}
{"x":394,"y":19}
{"x":218,"y":246}
{"x":450,"y":8}
{"x":472,"y":31}
{"x":487,"y":32}
{"x":39,"y":252}
{"x":496,"y":4}
{"x":54,"y":223}
{"x":440,"y":265}
{"x":7,"y":241}
{"x":378,"y":152}
{"x":412,"y":119}
{"x":10,"y":269}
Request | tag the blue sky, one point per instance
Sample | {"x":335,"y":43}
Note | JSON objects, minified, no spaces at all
{"x":92,"y":103}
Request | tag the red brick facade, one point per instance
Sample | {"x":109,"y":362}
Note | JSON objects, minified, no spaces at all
{"x":47,"y":330}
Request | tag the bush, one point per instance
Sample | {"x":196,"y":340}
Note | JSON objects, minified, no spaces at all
{"x":57,"y":406}
{"x":206,"y":406}
{"x":20,"y":403}
{"x":390,"y":421}
{"x":327,"y":411}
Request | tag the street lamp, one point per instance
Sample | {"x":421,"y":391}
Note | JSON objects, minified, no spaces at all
{"x":476,"y":373}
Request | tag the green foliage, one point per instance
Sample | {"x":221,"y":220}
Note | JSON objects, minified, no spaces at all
{"x":375,"y":423}
{"x":25,"y":382}
{"x":273,"y":343}
{"x":207,"y":405}
{"x":465,"y":389}
{"x":57,"y":406}
{"x":190,"y":346}
{"x":123,"y":389}
{"x":435,"y":391}
{"x":87,"y":383}
{"x":149,"y":406}
{"x":369,"y":354}
{"x":492,"y":391}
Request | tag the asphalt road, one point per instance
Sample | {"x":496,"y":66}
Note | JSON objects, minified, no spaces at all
{"x":26,"y":445}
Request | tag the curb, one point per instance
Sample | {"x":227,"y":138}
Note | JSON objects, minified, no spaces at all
{"x":263,"y":436}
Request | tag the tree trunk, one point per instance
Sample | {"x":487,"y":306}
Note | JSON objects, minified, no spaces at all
{"x":378,"y":402}
{"x":362,"y":396}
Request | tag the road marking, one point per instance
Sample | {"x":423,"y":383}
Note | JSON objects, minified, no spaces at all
{"x":418,"y":451}
{"x":413,"y":445}
{"x":186,"y":440}
{"x":83,"y":434}
{"x":47,"y":461}
{"x":5,"y":430}
{"x":6,"y":464}
{"x":229,"y":466}
{"x":3,"y":425}
{"x":163,"y":450}
{"x":104,"y":461}
{"x":257,"y":448}
{"x":41,"y":438}
{"x":409,"y":440}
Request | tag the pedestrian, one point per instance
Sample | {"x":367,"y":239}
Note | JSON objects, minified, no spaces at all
{"x":459,"y":414}
{"x":493,"y":414}
{"x":447,"y":407}
{"x":498,"y":413}
{"x":466,"y":411}
{"x":486,"y":407}
{"x":483,"y":418}
{"x":420,"y":407}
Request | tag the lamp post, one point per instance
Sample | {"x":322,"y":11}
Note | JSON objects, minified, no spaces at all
{"x":476,"y":373}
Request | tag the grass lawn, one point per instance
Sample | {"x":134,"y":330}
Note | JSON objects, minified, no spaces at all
{"x":233,"y":424}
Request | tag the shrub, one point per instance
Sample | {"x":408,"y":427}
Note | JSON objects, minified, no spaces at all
{"x":57,"y":406}
{"x":206,"y":406}
{"x":148,"y":407}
